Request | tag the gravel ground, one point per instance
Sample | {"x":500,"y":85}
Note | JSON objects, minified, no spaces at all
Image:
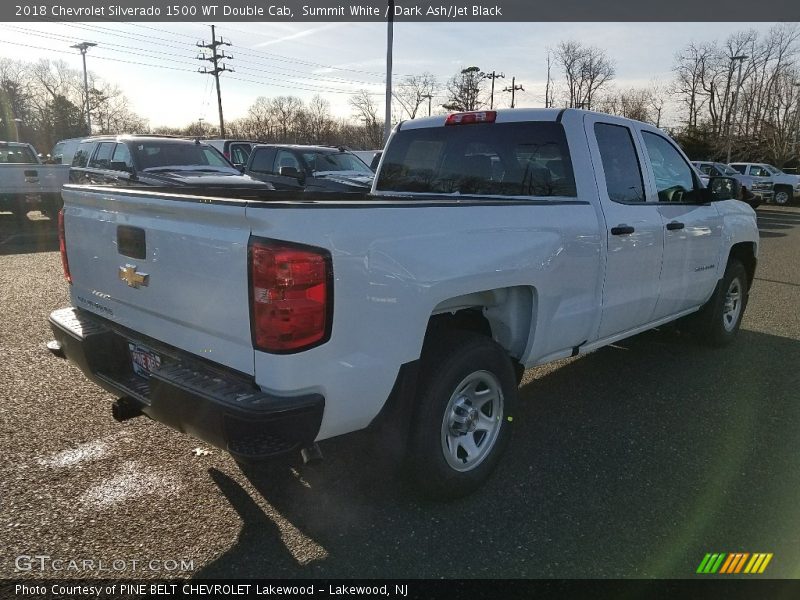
{"x":633,"y":461}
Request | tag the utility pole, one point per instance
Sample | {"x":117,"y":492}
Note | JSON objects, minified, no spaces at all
{"x":387,"y":115}
{"x":493,"y":76}
{"x":83,"y":47}
{"x":741,"y":58}
{"x":215,"y":58}
{"x":429,"y":97}
{"x":513,"y":89}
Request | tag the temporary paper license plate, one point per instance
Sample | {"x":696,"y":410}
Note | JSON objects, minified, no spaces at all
{"x":143,"y":360}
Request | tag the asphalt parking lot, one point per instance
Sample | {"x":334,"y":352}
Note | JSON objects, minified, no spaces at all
{"x":633,"y":461}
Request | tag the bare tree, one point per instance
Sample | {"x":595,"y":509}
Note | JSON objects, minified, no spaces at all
{"x":761,"y":127}
{"x":633,"y":103}
{"x":366,"y":111}
{"x":286,"y":110}
{"x":587,"y":69}
{"x":413,"y":91}
{"x":465,"y":90}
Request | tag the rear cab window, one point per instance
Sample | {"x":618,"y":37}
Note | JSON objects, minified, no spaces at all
{"x":486,"y":159}
{"x":17,"y":154}
{"x":623,"y":173}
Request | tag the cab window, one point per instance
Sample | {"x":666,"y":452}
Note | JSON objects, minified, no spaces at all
{"x":674,"y":177}
{"x":121,"y":159}
{"x":102,"y":156}
{"x":624,"y":181}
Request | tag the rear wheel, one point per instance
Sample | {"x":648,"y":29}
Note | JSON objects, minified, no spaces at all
{"x":463,"y":415}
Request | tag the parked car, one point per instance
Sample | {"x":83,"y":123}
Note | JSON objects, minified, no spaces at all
{"x":309,"y":168}
{"x":236,"y":151}
{"x":492,"y":241}
{"x":26,"y":184}
{"x":785,"y":187}
{"x":63,"y":151}
{"x":154,"y":161}
{"x":761,"y":190}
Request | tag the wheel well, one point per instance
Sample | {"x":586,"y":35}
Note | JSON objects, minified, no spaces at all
{"x":505,"y":315}
{"x":744,"y":252}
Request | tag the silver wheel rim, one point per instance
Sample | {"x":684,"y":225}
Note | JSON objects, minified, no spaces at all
{"x":472,"y":421}
{"x":733,"y":305}
{"x":781,"y":198}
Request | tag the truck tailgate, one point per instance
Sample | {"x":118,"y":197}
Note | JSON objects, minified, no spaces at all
{"x":32,"y":179}
{"x":172,"y":270}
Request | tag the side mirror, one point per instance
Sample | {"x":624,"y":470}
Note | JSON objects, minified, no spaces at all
{"x":293,"y":172}
{"x":723,"y":188}
{"x":119,"y":166}
{"x":289,"y":172}
{"x":242,"y":168}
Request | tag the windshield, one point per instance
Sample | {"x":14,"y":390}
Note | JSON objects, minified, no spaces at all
{"x":773,"y":170}
{"x":17,"y":154}
{"x":726,"y":170}
{"x":150,"y":155}
{"x":502,"y":159}
{"x":335,"y":161}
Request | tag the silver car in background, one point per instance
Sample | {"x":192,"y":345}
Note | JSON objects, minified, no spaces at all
{"x":762,"y":190}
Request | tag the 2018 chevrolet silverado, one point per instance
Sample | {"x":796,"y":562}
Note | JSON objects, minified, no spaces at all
{"x":491,"y":241}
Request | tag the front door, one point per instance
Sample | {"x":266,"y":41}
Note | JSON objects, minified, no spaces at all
{"x":692,"y":228}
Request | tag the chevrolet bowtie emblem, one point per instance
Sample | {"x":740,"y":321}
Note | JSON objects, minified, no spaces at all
{"x":132,"y":277}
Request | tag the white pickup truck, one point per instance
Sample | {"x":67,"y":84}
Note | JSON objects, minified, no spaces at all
{"x":785,"y":187}
{"x":26,"y":184}
{"x":492,"y":241}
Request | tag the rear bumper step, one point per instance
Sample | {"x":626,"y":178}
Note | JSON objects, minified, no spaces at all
{"x":212,"y":403}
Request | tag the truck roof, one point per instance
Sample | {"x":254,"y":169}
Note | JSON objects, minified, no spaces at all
{"x":506,"y":115}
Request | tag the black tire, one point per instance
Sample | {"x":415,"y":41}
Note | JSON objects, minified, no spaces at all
{"x":714,"y":323}
{"x":453,"y":358}
{"x":783,"y":195}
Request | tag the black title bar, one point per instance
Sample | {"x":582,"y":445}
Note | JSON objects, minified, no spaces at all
{"x":401,"y":10}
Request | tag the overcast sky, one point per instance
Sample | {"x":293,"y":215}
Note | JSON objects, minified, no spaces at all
{"x":337,"y":59}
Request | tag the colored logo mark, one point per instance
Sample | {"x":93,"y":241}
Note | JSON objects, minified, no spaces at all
{"x":736,"y":562}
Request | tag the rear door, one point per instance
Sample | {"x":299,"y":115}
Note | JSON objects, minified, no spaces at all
{"x":169,"y":269}
{"x":633,"y":226}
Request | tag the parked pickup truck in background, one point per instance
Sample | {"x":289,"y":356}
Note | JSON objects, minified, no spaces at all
{"x":761,"y":191}
{"x":785,"y":187}
{"x":26,"y":184}
{"x":492,"y":241}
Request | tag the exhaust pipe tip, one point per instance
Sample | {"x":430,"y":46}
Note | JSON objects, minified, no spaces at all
{"x":56,"y":349}
{"x":311,"y":455}
{"x":124,"y":409}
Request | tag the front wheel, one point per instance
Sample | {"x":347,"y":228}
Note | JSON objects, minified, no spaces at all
{"x":782,"y":196}
{"x":463,"y":414}
{"x":720,"y":318}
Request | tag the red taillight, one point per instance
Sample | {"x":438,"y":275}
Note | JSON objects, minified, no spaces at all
{"x":290,"y":296}
{"x":227,"y":155}
{"x":62,"y":246}
{"x":467,"y":118}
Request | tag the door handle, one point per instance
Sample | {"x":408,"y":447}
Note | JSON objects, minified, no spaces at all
{"x":622,"y":230}
{"x":674,"y":225}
